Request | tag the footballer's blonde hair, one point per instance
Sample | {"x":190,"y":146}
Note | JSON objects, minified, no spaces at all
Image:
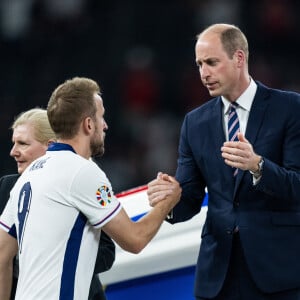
{"x":70,"y":103}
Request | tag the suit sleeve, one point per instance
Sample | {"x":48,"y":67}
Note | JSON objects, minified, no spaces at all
{"x":281,"y":177}
{"x":190,"y":179}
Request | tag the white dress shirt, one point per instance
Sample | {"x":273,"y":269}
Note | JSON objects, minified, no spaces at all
{"x":244,"y":105}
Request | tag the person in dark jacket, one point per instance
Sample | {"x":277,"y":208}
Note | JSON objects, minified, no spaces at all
{"x":250,"y":241}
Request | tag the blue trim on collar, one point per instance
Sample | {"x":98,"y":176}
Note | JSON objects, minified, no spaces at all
{"x":60,"y":147}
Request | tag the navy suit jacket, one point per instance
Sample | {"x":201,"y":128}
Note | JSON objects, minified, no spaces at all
{"x":268,"y":214}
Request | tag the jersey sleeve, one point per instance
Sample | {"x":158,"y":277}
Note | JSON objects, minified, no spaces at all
{"x":7,"y":222}
{"x":92,"y":194}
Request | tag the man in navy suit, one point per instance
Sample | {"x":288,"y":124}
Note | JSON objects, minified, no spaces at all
{"x":250,"y":243}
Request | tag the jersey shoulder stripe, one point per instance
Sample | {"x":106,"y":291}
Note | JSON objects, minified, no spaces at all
{"x":107,"y":218}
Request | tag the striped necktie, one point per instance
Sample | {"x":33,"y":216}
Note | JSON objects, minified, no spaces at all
{"x":233,"y":127}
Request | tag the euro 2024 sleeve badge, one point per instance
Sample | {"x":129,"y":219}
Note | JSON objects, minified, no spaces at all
{"x":103,"y":195}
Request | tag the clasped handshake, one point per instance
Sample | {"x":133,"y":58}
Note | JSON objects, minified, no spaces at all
{"x":164,"y":189}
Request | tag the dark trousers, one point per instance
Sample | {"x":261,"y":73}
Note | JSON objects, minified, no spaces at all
{"x":239,"y":285}
{"x":96,"y":289}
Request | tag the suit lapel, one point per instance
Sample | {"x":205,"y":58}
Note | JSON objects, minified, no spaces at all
{"x":256,"y":116}
{"x":257,"y":113}
{"x":216,"y":124}
{"x":217,"y":133}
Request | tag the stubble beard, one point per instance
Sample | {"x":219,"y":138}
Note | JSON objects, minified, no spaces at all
{"x":97,"y":148}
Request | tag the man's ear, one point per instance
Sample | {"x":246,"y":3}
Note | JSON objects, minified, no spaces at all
{"x":87,"y":125}
{"x":240,"y":57}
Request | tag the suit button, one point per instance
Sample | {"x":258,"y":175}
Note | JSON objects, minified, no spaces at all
{"x":228,"y":231}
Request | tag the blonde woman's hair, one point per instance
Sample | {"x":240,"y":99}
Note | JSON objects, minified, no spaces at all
{"x":38,"y":118}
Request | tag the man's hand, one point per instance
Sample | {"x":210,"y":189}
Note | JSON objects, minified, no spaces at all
{"x":240,"y":154}
{"x":164,"y":187}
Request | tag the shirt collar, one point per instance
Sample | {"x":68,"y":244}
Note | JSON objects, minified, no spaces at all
{"x":60,"y":147}
{"x":245,"y":100}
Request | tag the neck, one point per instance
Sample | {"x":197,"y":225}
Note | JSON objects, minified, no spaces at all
{"x":80,"y":148}
{"x":243,"y":83}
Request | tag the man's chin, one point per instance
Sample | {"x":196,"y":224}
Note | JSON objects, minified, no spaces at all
{"x":214,"y":93}
{"x":98,"y":154}
{"x":20,"y":170}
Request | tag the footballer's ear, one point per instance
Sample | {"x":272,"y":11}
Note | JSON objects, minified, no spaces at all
{"x":88,"y":125}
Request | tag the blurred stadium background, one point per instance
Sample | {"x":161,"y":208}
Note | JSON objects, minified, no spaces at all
{"x":142,"y":54}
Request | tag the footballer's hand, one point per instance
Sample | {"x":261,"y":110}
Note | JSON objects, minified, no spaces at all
{"x":163,"y":188}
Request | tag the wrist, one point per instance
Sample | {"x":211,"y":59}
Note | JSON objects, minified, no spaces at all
{"x":258,"y":171}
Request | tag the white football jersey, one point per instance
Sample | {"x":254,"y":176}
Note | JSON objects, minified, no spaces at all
{"x":56,"y":210}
